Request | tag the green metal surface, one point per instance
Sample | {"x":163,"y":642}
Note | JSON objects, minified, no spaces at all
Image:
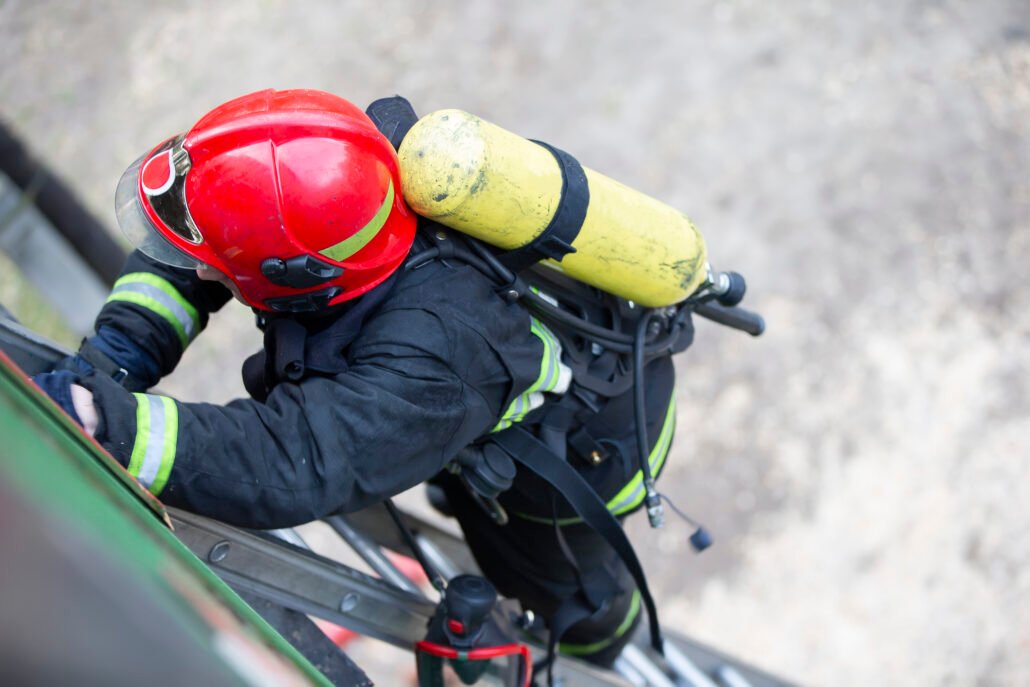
{"x":79,"y":490}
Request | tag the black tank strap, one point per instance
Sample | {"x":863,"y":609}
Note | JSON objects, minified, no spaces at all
{"x":555,"y":242}
{"x":394,"y":117}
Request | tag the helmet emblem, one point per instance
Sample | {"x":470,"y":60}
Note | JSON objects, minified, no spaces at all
{"x":158,"y":174}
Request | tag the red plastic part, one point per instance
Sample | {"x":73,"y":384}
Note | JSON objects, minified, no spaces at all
{"x":276,"y":174}
{"x":482,"y":654}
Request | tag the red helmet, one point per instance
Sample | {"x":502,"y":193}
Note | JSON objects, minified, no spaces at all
{"x":294,"y":195}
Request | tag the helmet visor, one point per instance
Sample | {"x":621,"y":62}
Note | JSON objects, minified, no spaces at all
{"x":138,"y":227}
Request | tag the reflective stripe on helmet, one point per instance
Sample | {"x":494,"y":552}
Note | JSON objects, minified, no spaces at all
{"x":157,"y":430}
{"x":586,"y":649}
{"x":158,"y":295}
{"x":631,"y":495}
{"x":554,"y":377}
{"x":361,"y":238}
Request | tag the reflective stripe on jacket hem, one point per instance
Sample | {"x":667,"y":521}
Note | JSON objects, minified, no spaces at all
{"x":592,"y":648}
{"x":632,"y":494}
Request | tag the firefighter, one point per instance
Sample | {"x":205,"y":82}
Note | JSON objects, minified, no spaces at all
{"x":374,"y":377}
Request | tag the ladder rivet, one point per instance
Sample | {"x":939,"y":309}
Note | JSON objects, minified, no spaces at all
{"x":219,"y":552}
{"x":349,"y":602}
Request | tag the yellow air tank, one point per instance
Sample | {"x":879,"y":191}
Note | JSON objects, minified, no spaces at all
{"x":480,"y":179}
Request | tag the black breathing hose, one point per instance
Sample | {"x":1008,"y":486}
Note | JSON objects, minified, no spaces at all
{"x":651,"y":499}
{"x":486,"y":262}
{"x":435,"y":578}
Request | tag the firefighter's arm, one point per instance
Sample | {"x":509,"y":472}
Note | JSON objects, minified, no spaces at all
{"x":391,"y":421}
{"x":153,"y":313}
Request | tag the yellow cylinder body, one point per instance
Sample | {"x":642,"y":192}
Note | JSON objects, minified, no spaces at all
{"x":482,"y":180}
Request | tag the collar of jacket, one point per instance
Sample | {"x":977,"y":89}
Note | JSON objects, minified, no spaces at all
{"x":298,"y":346}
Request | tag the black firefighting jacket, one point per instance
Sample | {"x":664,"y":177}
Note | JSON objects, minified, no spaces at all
{"x":438,"y":363}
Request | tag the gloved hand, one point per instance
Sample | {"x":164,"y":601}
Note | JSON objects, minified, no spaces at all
{"x":73,"y":399}
{"x":115,"y":354}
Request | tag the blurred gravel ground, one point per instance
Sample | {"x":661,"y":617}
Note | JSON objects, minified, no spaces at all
{"x":864,"y":464}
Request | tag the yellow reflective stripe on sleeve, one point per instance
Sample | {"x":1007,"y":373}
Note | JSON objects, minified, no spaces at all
{"x":549,"y":362}
{"x":547,"y":379}
{"x":159,"y":296}
{"x":157,"y":431}
{"x":361,"y":238}
{"x":592,"y":648}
